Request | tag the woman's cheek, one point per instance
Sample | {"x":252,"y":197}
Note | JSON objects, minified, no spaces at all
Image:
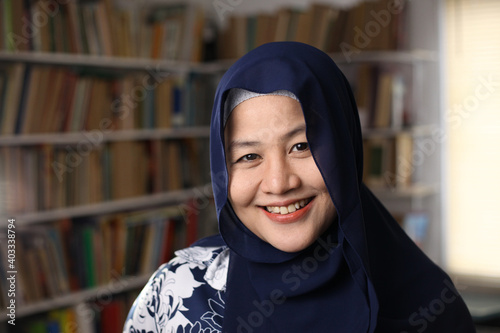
{"x":243,"y":186}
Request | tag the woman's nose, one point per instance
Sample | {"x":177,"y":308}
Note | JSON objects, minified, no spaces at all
{"x":279,"y":176}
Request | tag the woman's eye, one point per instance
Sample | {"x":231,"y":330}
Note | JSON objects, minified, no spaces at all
{"x":300,"y":146}
{"x":248,"y":158}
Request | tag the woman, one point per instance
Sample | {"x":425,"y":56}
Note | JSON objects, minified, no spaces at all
{"x":304,"y":246}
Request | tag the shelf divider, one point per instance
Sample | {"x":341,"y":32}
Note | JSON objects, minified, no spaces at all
{"x":74,"y":298}
{"x":96,"y":136}
{"x":106,"y":207}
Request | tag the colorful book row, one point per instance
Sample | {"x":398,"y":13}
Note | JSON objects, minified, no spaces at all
{"x":370,"y":25}
{"x":56,"y":176}
{"x":51,"y":99}
{"x":69,"y":255}
{"x":97,"y":316}
{"x":101,"y":27}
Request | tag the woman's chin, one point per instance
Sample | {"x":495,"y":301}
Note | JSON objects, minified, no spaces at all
{"x":291,"y":246}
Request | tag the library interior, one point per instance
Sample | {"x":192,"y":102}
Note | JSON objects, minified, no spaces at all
{"x":105,"y":163}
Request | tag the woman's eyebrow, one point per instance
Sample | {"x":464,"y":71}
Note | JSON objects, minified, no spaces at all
{"x":298,"y":130}
{"x":236,"y":144}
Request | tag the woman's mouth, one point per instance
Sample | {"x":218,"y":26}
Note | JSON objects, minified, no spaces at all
{"x":293,"y":207}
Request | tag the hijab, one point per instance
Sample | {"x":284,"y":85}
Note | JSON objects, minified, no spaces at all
{"x":363,"y":274}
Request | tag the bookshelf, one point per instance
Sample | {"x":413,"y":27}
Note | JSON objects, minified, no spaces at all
{"x":73,"y":299}
{"x":123,"y":135}
{"x":152,"y":192}
{"x":117,"y":63}
{"x":393,"y":148}
{"x":372,"y":44}
{"x":146,"y":55}
{"x":154,"y":200}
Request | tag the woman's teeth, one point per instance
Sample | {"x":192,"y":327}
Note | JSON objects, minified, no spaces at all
{"x":287,"y":209}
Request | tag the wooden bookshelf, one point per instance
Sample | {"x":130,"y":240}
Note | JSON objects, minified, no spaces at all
{"x":123,"y":205}
{"x":414,"y":131}
{"x":412,"y":57}
{"x":109,"y":62}
{"x":122,"y":62}
{"x":122,"y":135}
{"x":186,"y":124}
{"x":414,"y":191}
{"x":114,"y":63}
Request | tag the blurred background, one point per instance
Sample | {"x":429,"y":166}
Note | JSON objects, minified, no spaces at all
{"x":104,"y":121}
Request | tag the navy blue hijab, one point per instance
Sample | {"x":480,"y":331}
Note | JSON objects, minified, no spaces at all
{"x":363,"y":274}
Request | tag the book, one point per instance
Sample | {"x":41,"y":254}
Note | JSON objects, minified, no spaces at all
{"x":52,"y":176}
{"x":383,"y":101}
{"x":362,"y":27}
{"x":304,"y":28}
{"x":265,"y":29}
{"x":52,"y":100}
{"x":75,"y":33}
{"x":164,"y":104}
{"x":282,"y":24}
{"x":113,"y":316}
{"x":90,"y":316}
{"x":17,"y":13}
{"x":104,"y":24}
{"x":404,"y":164}
{"x":364,"y":91}
{"x":398,"y":102}
{"x":378,"y":162}
{"x":101,"y":27}
{"x":336,"y":31}
{"x":2,"y":26}
{"x":83,"y":100}
{"x":323,"y":17}
{"x":3,"y":85}
{"x":416,"y":225}
{"x":68,"y":255}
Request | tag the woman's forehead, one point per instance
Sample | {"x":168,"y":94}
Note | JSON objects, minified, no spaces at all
{"x":236,"y":96}
{"x":265,"y":118}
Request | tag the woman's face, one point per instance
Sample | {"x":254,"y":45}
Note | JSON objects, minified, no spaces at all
{"x":275,"y":187}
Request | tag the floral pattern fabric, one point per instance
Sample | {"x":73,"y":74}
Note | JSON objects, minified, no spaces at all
{"x":185,"y":295}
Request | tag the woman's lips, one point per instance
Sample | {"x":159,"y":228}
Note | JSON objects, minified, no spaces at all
{"x":289,"y":217}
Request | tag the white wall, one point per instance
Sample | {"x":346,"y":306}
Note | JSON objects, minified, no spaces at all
{"x":426,"y":32}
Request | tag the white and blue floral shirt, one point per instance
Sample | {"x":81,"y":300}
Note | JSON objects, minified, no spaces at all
{"x":185,"y":295}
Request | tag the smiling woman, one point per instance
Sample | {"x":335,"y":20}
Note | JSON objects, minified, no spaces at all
{"x":304,"y":246}
{"x":275,"y":186}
